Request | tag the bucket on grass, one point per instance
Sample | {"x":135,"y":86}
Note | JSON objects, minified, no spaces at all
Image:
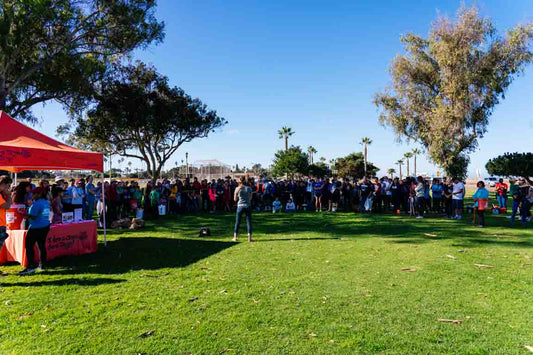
{"x":162,"y":210}
{"x":14,"y":219}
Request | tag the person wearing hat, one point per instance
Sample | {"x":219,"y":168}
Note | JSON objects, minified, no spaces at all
{"x":39,"y":217}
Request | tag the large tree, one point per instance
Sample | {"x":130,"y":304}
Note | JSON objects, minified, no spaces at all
{"x":319,"y":170}
{"x":400,"y":163}
{"x":353,"y":165}
{"x":284,"y":133}
{"x":365,"y":142}
{"x":60,"y":49}
{"x":290,"y":162}
{"x":312,"y":151}
{"x":416,"y":152}
{"x":408,"y":156}
{"x":512,"y":164}
{"x":444,"y":88}
{"x":139,"y":115}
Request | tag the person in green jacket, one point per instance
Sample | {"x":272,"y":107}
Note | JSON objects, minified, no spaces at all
{"x":154,"y":201}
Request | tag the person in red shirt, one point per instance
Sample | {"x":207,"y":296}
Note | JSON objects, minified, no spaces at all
{"x":501,"y":193}
{"x":5,"y":203}
{"x":196,"y":194}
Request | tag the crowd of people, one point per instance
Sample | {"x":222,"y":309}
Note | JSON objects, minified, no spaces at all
{"x":413,"y":196}
{"x":44,"y":204}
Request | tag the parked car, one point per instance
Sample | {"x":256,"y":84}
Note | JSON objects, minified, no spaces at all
{"x":491,"y":181}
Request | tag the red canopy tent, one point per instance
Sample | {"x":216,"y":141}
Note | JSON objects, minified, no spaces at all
{"x":23,"y":148}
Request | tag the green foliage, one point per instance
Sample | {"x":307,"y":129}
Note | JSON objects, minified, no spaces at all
{"x":60,"y":49}
{"x":511,"y":164}
{"x":140,"y":116}
{"x":290,"y":162}
{"x":445,"y":87}
{"x":353,"y":166}
{"x":319,"y":170}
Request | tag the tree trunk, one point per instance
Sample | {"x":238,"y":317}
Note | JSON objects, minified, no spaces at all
{"x":365,"y":159}
{"x":415,"y":165}
{"x":286,"y":143}
{"x":400,"y":171}
{"x":3,"y":94}
{"x":408,"y":167}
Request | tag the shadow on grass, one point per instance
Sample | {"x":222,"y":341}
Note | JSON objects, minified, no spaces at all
{"x":63,"y":282}
{"x":162,"y":245}
{"x":400,"y":229}
{"x":133,"y":253}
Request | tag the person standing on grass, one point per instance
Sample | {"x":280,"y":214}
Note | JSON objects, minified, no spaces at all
{"x":90,"y":198}
{"x":419,"y":197}
{"x":447,"y":189}
{"x":513,"y":191}
{"x":501,"y":193}
{"x":243,"y":197}
{"x":436,"y":192}
{"x":458,"y":192}
{"x":481,"y":199}
{"x":317,"y":189}
{"x":39,"y":216}
{"x":5,"y":204}
{"x":524,"y":197}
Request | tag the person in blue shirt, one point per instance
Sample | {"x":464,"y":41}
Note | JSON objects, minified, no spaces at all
{"x":90,"y":198}
{"x":277,"y":206}
{"x":436,"y":192}
{"x":39,"y":216}
{"x":481,"y":199}
{"x":317,"y":188}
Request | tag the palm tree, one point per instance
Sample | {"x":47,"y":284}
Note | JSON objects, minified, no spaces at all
{"x":284,"y":133}
{"x":407,"y":156}
{"x":312,"y":151}
{"x":365,"y":142}
{"x":322,"y":159}
{"x":400,"y":163}
{"x":416,"y":152}
{"x":391,"y":172}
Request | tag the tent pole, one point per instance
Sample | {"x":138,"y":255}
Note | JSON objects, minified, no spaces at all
{"x":104,"y":210}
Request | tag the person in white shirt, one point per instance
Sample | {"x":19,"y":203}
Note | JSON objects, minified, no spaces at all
{"x":458,"y":193}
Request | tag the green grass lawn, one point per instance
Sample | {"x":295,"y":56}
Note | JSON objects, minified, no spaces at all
{"x":312,"y":283}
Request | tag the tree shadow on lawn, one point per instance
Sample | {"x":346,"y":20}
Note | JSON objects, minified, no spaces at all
{"x":400,"y":229}
{"x":139,"y":253}
{"x":63,"y":282}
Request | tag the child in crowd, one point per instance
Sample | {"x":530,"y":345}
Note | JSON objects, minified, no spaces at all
{"x":290,"y":207}
{"x":276,"y":205}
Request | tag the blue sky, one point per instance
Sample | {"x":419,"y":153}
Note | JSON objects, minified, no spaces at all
{"x":313,"y":66}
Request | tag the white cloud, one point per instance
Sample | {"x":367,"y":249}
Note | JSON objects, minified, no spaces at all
{"x":233,"y":131}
